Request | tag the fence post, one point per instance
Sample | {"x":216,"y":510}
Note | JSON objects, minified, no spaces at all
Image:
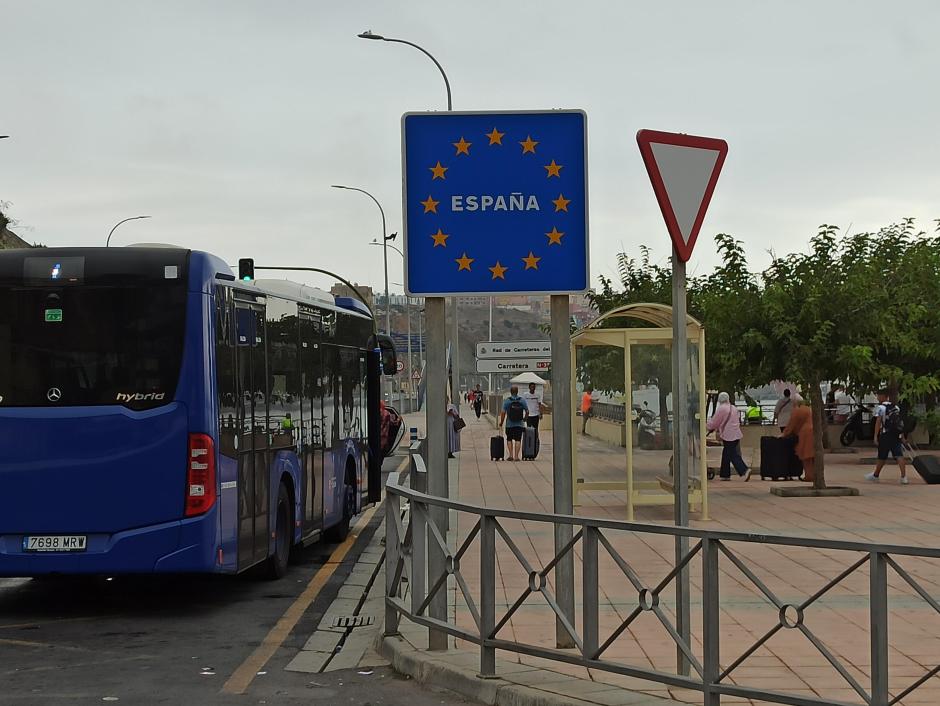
{"x":487,"y":594}
{"x":590,"y":590}
{"x":392,"y":555}
{"x":419,"y":554}
{"x":711,"y":628}
{"x":878,"y":602}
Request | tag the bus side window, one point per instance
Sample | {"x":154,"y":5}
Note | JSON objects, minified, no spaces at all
{"x":283,"y":372}
{"x":225,"y":372}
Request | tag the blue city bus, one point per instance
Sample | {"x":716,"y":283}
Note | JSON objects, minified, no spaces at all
{"x":159,"y":415}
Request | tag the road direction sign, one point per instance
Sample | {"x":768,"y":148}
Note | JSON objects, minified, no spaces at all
{"x":514,"y":349}
{"x":495,"y":202}
{"x":513,"y":365}
{"x":683,"y":170}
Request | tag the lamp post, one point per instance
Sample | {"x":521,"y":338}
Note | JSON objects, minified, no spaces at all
{"x":107,"y":243}
{"x":408,"y":314}
{"x":385,"y":239}
{"x":436,"y":398}
{"x":455,"y":374}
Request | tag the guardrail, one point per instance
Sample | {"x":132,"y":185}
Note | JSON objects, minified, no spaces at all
{"x":410,"y":536}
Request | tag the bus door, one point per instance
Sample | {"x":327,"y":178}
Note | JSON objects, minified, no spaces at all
{"x":311,"y":370}
{"x":253,"y":475}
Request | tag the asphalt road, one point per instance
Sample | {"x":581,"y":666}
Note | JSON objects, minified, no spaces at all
{"x":175,"y":640}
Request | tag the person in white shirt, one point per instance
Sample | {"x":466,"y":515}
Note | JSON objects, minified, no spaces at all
{"x":843,"y":407}
{"x":783,"y":409}
{"x":533,"y":401}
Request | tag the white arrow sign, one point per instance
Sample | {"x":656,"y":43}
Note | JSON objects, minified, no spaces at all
{"x":513,"y":365}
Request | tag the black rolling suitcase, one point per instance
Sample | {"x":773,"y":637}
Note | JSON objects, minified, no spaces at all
{"x":778,"y":458}
{"x":530,"y":444}
{"x":927,"y":466}
{"x":497,"y":448}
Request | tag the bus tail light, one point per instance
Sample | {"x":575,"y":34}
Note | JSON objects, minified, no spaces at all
{"x":200,"y":475}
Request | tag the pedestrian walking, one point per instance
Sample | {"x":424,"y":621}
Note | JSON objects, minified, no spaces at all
{"x":727,"y":423}
{"x":889,"y":434}
{"x":477,"y":400}
{"x":534,"y":405}
{"x":454,"y":425}
{"x":800,"y":427}
{"x":783,"y":409}
{"x":587,"y":405}
{"x":513,"y":415}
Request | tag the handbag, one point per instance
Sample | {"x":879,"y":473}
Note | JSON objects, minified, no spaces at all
{"x":459,"y":423}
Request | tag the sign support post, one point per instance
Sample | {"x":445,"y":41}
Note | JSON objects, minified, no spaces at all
{"x":680,"y":453}
{"x":683,"y":170}
{"x":561,"y":464}
{"x":436,"y":425}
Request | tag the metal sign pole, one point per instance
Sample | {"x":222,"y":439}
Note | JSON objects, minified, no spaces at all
{"x":680,"y":449}
{"x":561,"y":463}
{"x":455,"y":357}
{"x":436,"y":425}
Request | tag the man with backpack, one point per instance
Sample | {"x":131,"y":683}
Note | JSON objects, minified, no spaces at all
{"x":889,"y":433}
{"x":513,"y":414}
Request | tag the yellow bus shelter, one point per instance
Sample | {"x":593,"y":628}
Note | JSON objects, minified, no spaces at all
{"x":655,"y":487}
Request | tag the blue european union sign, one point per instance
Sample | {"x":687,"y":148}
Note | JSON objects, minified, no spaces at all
{"x":495,"y":203}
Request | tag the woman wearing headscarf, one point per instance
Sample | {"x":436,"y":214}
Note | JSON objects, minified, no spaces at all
{"x":727,"y":422}
{"x":800,"y":426}
{"x":453,"y":430}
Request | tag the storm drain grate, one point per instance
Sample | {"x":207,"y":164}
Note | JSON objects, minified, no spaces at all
{"x":352,"y":621}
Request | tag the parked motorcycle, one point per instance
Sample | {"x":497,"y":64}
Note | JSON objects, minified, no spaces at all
{"x":646,"y":429}
{"x":860,"y":426}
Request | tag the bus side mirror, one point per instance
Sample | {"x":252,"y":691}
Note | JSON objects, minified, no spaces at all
{"x":387,"y":353}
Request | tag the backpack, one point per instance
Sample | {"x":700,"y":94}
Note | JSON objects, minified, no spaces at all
{"x":516,"y":411}
{"x":893,"y":422}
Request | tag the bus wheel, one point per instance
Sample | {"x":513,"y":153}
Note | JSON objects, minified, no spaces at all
{"x":277,"y":562}
{"x":338,"y":532}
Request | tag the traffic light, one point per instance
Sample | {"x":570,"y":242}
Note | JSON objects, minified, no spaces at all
{"x":246,"y":269}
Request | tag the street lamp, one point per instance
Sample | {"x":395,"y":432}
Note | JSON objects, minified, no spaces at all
{"x":132,"y":218}
{"x":385,"y":239}
{"x":455,"y":376}
{"x":369,"y":35}
{"x":408,"y":315}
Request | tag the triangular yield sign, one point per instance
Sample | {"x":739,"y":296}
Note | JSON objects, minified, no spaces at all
{"x":683,"y":170}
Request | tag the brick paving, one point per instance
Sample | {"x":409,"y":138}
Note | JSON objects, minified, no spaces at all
{"x":886,"y":513}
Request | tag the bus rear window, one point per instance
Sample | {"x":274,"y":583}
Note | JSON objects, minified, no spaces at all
{"x":91,"y":344}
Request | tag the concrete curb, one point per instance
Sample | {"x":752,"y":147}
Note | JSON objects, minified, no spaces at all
{"x":447,"y":671}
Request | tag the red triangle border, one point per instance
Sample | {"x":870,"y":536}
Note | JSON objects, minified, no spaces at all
{"x":644,"y":139}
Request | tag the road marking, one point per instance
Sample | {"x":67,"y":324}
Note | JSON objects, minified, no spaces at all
{"x":242,"y":677}
{"x":43,"y":645}
{"x":36,"y":623}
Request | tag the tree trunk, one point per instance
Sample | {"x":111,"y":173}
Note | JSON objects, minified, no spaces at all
{"x":819,"y":429}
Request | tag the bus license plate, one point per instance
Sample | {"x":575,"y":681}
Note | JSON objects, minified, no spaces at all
{"x":55,"y":543}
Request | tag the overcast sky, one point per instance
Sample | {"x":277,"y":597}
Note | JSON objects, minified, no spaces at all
{"x":228,"y":120}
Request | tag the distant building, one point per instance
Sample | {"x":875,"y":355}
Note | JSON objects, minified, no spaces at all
{"x":9,"y":240}
{"x":341,"y":290}
{"x":398,"y":300}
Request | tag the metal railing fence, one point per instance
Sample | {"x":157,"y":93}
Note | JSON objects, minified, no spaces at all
{"x":410,"y":535}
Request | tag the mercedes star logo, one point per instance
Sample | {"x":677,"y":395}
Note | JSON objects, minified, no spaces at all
{"x":54,"y":394}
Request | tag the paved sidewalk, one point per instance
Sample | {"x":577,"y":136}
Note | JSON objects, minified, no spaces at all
{"x":886,"y":513}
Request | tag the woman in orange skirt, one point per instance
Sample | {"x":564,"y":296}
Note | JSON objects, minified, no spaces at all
{"x":801,"y":426}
